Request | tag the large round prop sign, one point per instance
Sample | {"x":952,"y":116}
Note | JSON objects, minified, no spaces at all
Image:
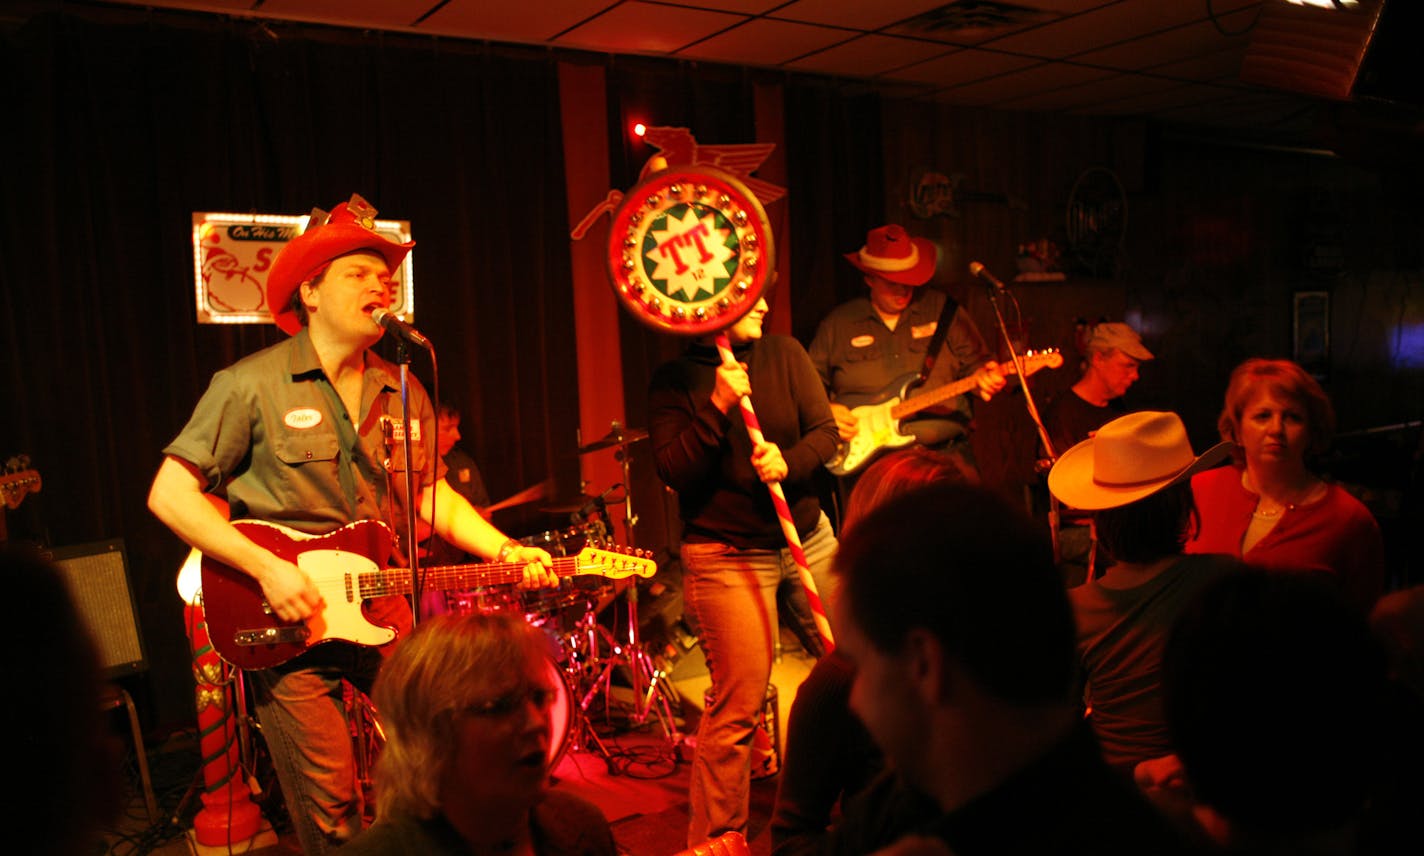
{"x":690,"y":250}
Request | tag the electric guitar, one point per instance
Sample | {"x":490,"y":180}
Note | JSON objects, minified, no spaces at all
{"x":16,"y":485}
{"x":880,"y":415}
{"x":347,"y":566}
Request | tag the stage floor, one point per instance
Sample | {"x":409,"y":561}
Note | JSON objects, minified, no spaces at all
{"x":640,"y":781}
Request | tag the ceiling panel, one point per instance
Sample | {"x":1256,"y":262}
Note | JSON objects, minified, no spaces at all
{"x":1169,"y":46}
{"x":762,"y":42}
{"x":961,"y":66}
{"x":867,"y":56}
{"x":1046,"y":78}
{"x":647,"y":28}
{"x":372,"y":14}
{"x":1104,"y":26}
{"x":856,"y":14}
{"x":508,"y":22}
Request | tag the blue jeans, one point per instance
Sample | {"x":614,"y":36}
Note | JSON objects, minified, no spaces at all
{"x":732,"y":596}
{"x":303,"y":716}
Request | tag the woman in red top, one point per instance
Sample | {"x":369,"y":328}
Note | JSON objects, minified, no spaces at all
{"x":1269,"y":508}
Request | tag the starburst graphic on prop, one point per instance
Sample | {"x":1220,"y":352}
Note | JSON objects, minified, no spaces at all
{"x":693,"y":250}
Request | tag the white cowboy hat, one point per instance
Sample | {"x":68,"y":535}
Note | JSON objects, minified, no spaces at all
{"x":1130,"y":458}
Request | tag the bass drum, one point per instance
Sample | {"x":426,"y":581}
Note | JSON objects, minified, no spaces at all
{"x":561,"y":712}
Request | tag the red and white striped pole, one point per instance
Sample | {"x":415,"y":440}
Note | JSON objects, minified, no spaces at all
{"x":783,"y":511}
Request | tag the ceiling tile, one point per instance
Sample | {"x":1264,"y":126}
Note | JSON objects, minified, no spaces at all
{"x":378,"y":14}
{"x":867,"y":56}
{"x":1045,"y":78}
{"x":1168,"y":46}
{"x":647,"y":28}
{"x":857,"y":14}
{"x":1105,"y":26}
{"x":961,"y":66}
{"x":509,"y":22}
{"x":746,"y":7}
{"x":763,"y":42}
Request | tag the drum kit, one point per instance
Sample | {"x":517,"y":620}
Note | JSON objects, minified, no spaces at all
{"x":593,"y":654}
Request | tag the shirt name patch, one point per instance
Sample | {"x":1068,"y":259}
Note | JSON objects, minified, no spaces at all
{"x":922,"y":330}
{"x":862,"y":341}
{"x":302,"y":418}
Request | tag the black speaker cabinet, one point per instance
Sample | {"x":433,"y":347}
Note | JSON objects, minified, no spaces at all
{"x":98,"y":579}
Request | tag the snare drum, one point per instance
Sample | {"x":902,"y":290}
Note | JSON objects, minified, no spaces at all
{"x":484,"y":601}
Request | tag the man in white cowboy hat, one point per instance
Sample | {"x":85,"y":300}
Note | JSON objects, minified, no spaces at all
{"x":865,"y":345}
{"x":1134,"y":476}
{"x":302,"y":434}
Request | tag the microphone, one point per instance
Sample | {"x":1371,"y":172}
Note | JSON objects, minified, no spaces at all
{"x":387,"y":319}
{"x":598,"y":503}
{"x":977,"y":269}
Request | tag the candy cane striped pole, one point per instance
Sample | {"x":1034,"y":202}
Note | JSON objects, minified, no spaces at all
{"x":783,"y":512}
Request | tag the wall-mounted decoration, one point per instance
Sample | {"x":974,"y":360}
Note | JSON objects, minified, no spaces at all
{"x":233,"y":252}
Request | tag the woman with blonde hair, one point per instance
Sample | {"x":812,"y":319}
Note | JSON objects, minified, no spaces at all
{"x":1270,"y":508}
{"x":466,"y":703}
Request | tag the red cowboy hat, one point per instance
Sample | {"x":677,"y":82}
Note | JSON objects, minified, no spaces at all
{"x":890,"y":253}
{"x":349,"y":228}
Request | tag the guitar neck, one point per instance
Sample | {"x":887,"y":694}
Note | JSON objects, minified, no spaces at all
{"x":456,"y":577}
{"x":941,"y":394}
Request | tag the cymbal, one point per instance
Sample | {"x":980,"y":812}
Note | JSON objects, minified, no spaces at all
{"x":567,"y":506}
{"x":616,"y":437}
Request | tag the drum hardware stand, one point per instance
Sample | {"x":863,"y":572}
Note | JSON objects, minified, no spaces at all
{"x":651,"y":686}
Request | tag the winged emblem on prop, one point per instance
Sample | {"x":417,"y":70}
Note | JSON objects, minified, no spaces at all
{"x":678,"y":148}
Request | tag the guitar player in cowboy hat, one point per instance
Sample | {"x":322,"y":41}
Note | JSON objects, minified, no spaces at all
{"x":862,"y":347}
{"x":303,"y":434}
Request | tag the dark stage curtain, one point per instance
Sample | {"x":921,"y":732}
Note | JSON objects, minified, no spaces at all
{"x":115,"y":132}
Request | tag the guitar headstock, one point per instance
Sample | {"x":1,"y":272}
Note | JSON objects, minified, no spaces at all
{"x":18,"y":481}
{"x":615,"y":562}
{"x":1048,"y":358}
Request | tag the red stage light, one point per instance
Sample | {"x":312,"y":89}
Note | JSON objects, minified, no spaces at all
{"x":639,"y":129}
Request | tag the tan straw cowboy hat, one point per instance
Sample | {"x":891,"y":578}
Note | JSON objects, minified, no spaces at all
{"x":1130,"y":458}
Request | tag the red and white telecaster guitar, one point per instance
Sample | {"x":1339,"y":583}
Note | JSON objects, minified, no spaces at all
{"x":347,"y":566}
{"x":879,"y":416}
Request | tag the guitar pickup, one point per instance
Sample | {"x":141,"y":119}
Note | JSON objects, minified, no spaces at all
{"x":297,"y":633}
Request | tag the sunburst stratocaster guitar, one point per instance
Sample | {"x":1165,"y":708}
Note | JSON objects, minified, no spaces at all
{"x":347,"y":566}
{"x":880,"y":416}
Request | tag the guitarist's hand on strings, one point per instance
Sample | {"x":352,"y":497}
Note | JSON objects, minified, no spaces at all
{"x":289,"y":591}
{"x":846,"y":423}
{"x":538,"y":568}
{"x":990,"y":380}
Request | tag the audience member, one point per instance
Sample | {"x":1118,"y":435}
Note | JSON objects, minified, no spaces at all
{"x":962,"y":638}
{"x":56,"y":740}
{"x":829,"y":754}
{"x":1276,"y":698}
{"x":1270,"y":509}
{"x":1133,"y":477}
{"x":465,"y":702}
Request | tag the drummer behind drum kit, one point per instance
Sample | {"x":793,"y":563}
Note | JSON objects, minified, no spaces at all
{"x":585,"y":655}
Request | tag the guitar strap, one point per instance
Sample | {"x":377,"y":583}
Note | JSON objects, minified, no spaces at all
{"x":946,"y":315}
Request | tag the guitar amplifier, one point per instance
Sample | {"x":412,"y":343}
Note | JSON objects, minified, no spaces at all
{"x":98,"y":581}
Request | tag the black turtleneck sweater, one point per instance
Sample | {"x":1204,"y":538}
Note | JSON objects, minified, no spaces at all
{"x":705,"y":455}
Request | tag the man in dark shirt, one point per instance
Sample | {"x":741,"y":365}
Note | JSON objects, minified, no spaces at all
{"x":964,"y":677}
{"x":1114,"y":352}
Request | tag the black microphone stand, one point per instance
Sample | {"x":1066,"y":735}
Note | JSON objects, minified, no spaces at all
{"x":996,"y":290}
{"x":412,"y":542}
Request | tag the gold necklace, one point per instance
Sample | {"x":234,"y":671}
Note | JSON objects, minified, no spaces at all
{"x":1268,"y":515}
